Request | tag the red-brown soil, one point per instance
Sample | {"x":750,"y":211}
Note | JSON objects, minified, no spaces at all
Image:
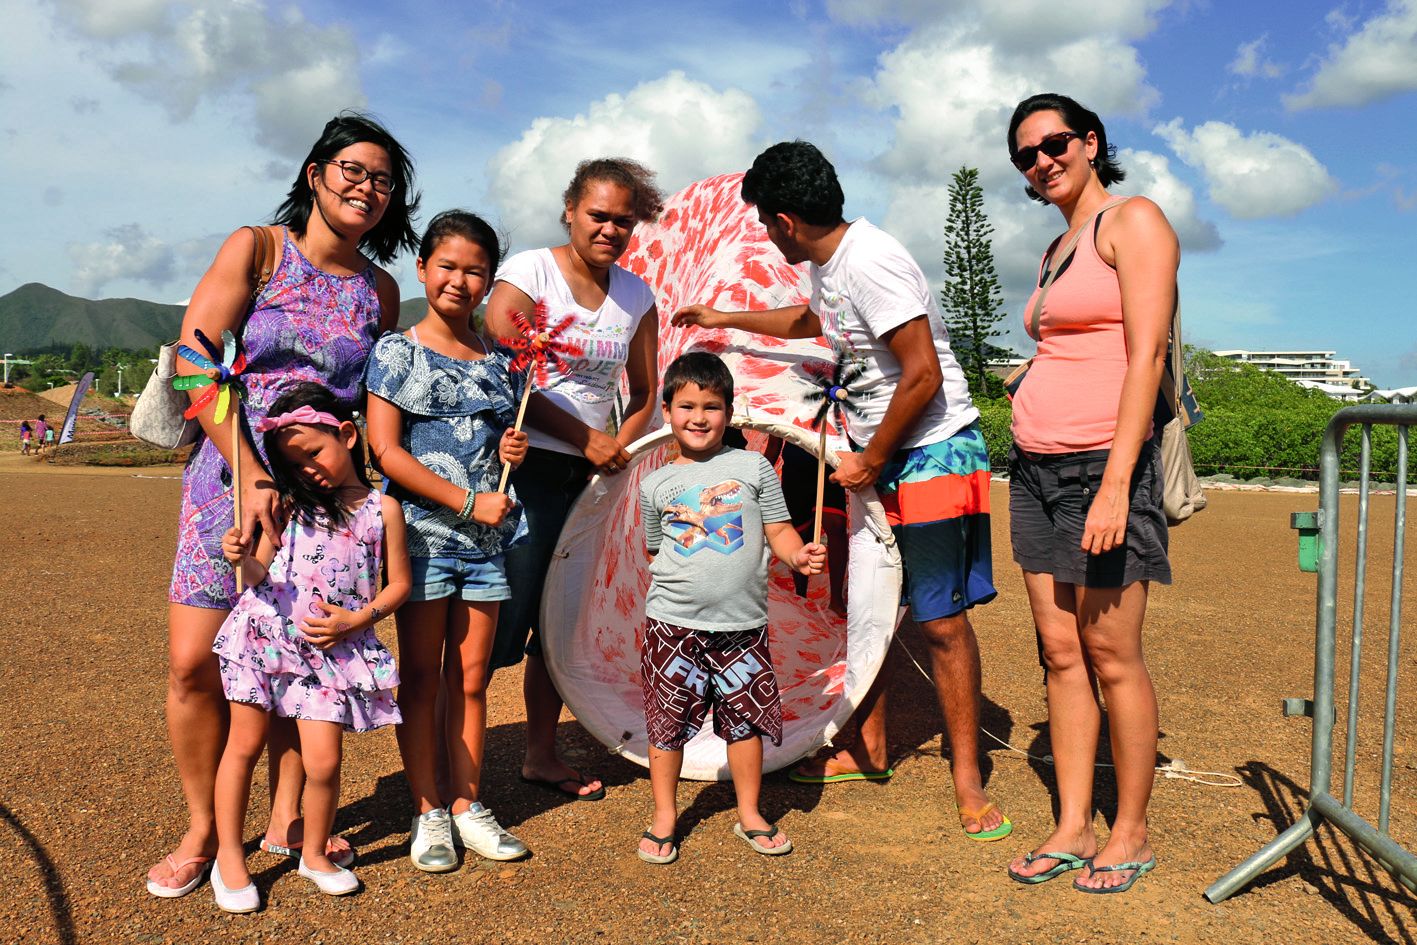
{"x":91,"y":798}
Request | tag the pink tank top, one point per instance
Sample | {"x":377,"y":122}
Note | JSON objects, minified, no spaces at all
{"x":1068,"y":401}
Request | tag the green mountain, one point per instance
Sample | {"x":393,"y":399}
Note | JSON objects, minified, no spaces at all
{"x":35,"y":317}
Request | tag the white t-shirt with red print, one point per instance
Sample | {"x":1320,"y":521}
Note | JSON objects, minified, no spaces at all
{"x":586,"y":387}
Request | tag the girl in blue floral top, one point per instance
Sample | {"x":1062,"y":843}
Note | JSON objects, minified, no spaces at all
{"x":441,"y":406}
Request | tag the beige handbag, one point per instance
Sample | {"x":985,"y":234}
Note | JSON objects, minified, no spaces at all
{"x":1182,"y":495}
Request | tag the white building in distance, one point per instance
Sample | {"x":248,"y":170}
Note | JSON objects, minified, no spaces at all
{"x":1318,"y":370}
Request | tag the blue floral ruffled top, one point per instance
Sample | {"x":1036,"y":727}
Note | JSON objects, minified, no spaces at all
{"x":454,"y":413}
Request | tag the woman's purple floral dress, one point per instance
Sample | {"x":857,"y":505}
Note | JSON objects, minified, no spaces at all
{"x":307,"y":325}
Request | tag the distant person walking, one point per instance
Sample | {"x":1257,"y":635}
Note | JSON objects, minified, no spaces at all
{"x":1085,"y":488}
{"x":316,"y":320}
{"x":26,"y":431}
{"x":41,"y":434}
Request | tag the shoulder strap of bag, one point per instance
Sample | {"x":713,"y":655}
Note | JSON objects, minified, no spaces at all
{"x":1056,"y":263}
{"x":263,"y":262}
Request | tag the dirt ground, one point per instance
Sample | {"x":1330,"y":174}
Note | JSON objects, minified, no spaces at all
{"x":90,"y":797}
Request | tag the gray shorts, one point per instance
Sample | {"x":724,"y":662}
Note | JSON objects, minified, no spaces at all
{"x":1049,"y":497}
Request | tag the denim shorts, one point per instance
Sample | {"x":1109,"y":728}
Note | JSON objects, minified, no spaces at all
{"x":1049,"y":498}
{"x":436,"y":578}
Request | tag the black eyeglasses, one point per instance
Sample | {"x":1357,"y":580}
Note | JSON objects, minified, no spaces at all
{"x":1054,"y":146}
{"x":358,"y":174}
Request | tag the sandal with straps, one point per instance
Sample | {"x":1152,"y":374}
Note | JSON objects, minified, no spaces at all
{"x":177,"y":892}
{"x":752,"y":837}
{"x":659,"y":859}
{"x":1066,"y":862}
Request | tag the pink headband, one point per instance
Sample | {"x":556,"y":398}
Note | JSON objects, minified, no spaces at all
{"x":302,"y":414}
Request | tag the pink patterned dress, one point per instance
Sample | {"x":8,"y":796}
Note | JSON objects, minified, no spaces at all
{"x":306,"y":325}
{"x":267,"y":662}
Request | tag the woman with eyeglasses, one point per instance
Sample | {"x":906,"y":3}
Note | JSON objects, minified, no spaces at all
{"x":1085,"y":489}
{"x":326,"y":301}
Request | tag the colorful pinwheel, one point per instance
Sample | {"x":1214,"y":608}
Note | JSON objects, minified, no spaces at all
{"x":221,"y":373}
{"x":832,"y":390}
{"x":539,"y":343}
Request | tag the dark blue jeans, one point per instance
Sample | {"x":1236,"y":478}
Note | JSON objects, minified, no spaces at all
{"x":547,"y":485}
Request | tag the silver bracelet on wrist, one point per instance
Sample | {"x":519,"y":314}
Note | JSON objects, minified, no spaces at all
{"x":467,"y":505}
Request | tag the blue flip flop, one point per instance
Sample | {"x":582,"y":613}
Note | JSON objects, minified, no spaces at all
{"x":1138,"y":868}
{"x":1066,"y":863}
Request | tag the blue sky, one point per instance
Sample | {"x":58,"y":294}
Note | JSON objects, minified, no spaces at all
{"x":1279,"y":137}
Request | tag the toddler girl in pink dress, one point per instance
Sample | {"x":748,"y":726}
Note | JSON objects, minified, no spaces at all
{"x":300,"y":641}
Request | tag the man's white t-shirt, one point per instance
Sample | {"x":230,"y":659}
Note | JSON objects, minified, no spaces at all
{"x":585,"y":388}
{"x":870,"y":286}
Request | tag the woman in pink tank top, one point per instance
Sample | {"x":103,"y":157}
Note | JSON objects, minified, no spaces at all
{"x":1085,"y":492}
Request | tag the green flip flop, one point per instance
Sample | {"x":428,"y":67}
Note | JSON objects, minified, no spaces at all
{"x":1066,"y":862}
{"x":795,"y":775}
{"x":986,"y":836}
{"x":1139,"y":869}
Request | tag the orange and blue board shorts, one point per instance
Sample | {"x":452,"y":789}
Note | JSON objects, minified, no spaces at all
{"x":936,"y":499}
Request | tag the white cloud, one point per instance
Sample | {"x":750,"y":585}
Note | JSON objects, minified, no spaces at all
{"x":1255,"y":175}
{"x":1030,"y":22}
{"x":682,"y":129}
{"x":952,"y":85}
{"x":1250,"y":60}
{"x":1150,"y":174}
{"x":1376,"y":62}
{"x":129,"y":253}
{"x":183,"y":54}
{"x":954,"y":89}
{"x":126,"y":252}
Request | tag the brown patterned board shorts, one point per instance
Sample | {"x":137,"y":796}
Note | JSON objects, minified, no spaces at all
{"x":686,"y":672}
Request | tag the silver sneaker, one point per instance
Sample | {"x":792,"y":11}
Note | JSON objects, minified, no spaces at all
{"x":478,"y":831}
{"x":430,"y":842}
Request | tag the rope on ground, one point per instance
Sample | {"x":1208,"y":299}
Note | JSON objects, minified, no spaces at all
{"x":1175,"y":769}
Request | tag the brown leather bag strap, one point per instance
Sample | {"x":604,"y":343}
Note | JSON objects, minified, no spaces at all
{"x":264,"y":261}
{"x":1056,"y":263}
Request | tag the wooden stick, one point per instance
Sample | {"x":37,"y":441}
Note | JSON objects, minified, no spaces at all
{"x":521,"y":414}
{"x":236,"y":480}
{"x":821,"y":481}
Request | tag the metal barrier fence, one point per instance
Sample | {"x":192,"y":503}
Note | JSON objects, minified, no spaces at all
{"x":1318,"y":551}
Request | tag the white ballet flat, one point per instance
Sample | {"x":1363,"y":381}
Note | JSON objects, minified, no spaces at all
{"x":238,"y":901}
{"x":341,"y":882}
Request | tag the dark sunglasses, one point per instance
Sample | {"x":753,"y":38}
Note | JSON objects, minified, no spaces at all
{"x":1055,"y":146}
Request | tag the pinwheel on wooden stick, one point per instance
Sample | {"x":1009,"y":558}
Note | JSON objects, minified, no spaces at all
{"x":539,"y":343}
{"x":832,"y":391}
{"x":221,"y":374}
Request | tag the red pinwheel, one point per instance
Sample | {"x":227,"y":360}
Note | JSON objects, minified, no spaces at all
{"x":833,"y":382}
{"x":539,"y":343}
{"x":221,"y":374}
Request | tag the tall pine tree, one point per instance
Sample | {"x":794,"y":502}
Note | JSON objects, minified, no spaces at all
{"x":971,"y":299}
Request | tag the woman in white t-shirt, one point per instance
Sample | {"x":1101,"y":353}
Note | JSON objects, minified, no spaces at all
{"x":616,"y":327}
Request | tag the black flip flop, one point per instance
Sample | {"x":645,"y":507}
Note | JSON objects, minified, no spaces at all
{"x":555,"y":785}
{"x":660,"y":859}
